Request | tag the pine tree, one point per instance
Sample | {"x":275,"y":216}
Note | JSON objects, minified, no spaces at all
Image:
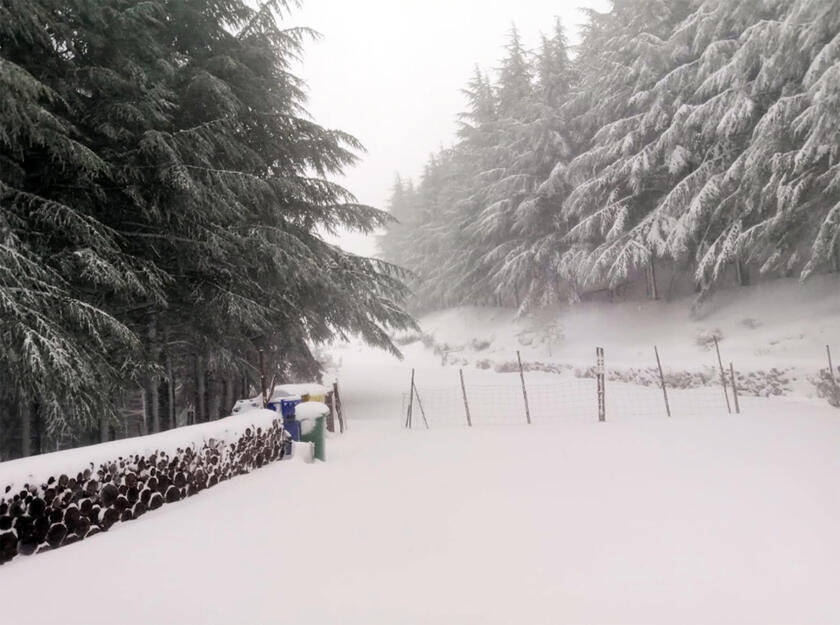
{"x":699,"y":134}
{"x":161,"y":195}
{"x":539,"y":143}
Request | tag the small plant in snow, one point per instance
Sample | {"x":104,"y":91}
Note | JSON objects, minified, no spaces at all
{"x":706,"y":338}
{"x":828,"y":387}
{"x":480,"y":345}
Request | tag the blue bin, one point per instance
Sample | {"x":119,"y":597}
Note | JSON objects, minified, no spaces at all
{"x":287,"y":408}
{"x":292,"y":427}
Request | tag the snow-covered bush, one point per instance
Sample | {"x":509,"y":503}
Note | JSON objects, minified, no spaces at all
{"x":706,"y":338}
{"x":828,"y":387}
{"x":480,"y":345}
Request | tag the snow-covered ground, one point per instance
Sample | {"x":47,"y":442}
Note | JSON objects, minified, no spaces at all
{"x":713,"y":518}
{"x":781,"y":324}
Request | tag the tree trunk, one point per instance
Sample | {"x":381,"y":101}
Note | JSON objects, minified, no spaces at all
{"x":154,"y":381}
{"x":214,"y":398}
{"x":229,"y":395}
{"x":37,"y":422}
{"x":200,"y":390}
{"x":742,"y":273}
{"x":25,"y":428}
{"x":103,"y":430}
{"x":170,"y":386}
{"x":653,"y":287}
{"x":144,"y":400}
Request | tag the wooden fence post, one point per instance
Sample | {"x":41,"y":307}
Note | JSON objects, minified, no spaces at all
{"x":830,"y":365}
{"x":722,"y":377}
{"x":662,"y":381}
{"x":735,"y":389}
{"x":342,"y":425}
{"x":600,"y":377}
{"x":524,"y":391}
{"x":466,"y":403}
{"x":410,"y":402}
{"x":420,"y":405}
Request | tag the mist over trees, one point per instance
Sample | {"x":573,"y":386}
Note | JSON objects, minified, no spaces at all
{"x":162,"y":191}
{"x":694,"y":140}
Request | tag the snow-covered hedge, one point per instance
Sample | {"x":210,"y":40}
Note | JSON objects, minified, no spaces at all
{"x":57,"y":499}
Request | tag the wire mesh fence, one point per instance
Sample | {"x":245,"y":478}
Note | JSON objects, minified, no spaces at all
{"x":595,"y":394}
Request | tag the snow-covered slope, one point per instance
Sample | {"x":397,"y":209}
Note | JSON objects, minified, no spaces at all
{"x":781,"y":324}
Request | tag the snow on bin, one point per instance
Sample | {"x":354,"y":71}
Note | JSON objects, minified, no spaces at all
{"x":316,"y":392}
{"x":285,"y":398}
{"x":311,"y":417}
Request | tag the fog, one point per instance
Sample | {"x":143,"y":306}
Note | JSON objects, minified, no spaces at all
{"x":391,"y":73}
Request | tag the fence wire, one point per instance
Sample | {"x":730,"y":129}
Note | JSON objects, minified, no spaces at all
{"x":565,"y":399}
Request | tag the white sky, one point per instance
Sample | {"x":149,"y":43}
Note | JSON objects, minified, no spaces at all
{"x":390,"y":72}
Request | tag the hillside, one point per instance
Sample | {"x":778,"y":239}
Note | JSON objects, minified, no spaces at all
{"x":783,"y":325}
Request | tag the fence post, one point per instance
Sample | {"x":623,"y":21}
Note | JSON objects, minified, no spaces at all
{"x":410,"y":402}
{"x":466,"y":403}
{"x":524,"y":391}
{"x":735,"y":389}
{"x":662,"y":381}
{"x":330,"y":417}
{"x":830,"y":365}
{"x":602,"y":391}
{"x":342,"y":424}
{"x":334,"y":411}
{"x":420,"y":405}
{"x":722,"y":377}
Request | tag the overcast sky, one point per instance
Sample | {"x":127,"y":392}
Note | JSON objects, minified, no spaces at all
{"x":390,"y":72}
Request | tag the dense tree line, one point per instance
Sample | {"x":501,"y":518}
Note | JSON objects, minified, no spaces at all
{"x":162,"y":191}
{"x":694,"y":139}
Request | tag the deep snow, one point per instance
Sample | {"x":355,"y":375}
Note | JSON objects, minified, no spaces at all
{"x":711,"y":518}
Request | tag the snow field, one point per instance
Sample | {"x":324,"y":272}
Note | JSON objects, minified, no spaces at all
{"x":718,"y":519}
{"x":702,"y":518}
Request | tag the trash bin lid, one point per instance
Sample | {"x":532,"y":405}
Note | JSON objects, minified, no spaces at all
{"x":311,"y":410}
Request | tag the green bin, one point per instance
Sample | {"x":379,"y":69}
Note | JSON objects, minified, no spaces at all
{"x":312,"y":418}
